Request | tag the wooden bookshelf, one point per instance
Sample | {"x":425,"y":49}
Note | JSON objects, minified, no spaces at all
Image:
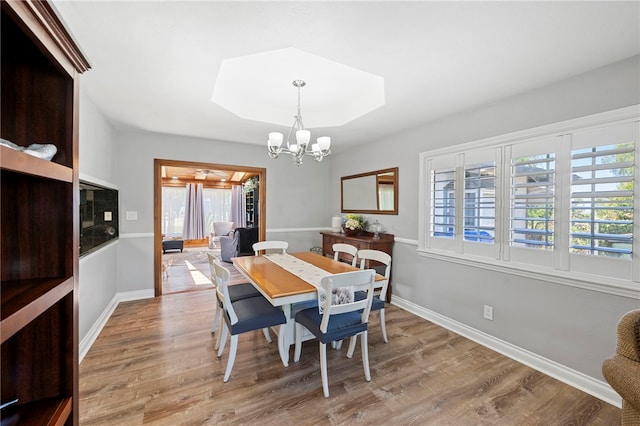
{"x":39,"y":217}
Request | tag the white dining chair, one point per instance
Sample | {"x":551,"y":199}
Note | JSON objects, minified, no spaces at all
{"x":345,"y":248}
{"x":271,"y":246}
{"x":241,"y":316}
{"x":236,"y":292}
{"x":379,"y":300}
{"x":342,"y":316}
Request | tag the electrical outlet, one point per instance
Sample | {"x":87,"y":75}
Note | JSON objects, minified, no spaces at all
{"x":488,"y":312}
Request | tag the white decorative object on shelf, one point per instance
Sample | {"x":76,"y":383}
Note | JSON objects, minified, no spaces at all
{"x":44,"y":151}
{"x":336,"y":223}
{"x":376,"y":228}
{"x":11,"y":145}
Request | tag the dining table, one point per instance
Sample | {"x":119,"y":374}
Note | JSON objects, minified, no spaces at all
{"x":287,"y":290}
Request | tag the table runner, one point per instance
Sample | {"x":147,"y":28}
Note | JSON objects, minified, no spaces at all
{"x":301,"y":269}
{"x":313,"y":275}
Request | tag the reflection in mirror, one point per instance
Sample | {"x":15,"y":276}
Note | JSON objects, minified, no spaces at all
{"x":372,"y":192}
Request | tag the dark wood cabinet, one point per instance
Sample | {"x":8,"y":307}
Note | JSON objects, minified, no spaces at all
{"x":364,"y":240}
{"x":39,"y":217}
{"x":252,"y":208}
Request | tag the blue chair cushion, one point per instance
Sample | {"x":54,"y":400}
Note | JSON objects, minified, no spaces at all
{"x":242,"y":291}
{"x":301,"y":306}
{"x":254,"y":313}
{"x":376,"y":303}
{"x":340,"y":326}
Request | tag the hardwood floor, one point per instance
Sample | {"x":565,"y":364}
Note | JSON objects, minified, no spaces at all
{"x":189,"y":270}
{"x":154,"y":363}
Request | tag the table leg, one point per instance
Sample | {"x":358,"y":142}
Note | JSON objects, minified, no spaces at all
{"x":285,"y":337}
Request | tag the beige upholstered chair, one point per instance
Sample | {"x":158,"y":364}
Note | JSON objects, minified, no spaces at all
{"x":622,"y":370}
{"x":220,"y":229}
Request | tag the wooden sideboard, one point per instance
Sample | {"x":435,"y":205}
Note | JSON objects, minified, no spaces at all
{"x":364,"y":240}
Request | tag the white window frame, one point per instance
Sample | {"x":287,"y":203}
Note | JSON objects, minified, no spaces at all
{"x":557,"y":265}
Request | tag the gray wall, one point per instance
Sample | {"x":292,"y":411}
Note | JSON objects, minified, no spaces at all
{"x":98,"y":270}
{"x":571,"y":326}
{"x":296,"y":196}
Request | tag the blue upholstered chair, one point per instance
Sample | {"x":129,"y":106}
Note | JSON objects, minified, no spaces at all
{"x":240,"y":244}
{"x":236,"y":292}
{"x":342,"y":317}
{"x":241,"y":316}
{"x":379,"y":299}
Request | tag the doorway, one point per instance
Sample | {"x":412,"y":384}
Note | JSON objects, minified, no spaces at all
{"x":160,"y":172}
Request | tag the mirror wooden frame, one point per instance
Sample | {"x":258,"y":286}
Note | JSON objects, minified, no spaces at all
{"x":364,"y":178}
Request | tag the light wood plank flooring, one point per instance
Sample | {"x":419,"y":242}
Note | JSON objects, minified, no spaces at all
{"x":190,"y":271}
{"x":154,"y":363}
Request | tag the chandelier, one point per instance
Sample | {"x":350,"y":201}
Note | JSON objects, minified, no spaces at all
{"x":301,"y":146}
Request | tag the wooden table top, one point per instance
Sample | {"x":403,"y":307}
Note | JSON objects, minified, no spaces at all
{"x":277,"y":282}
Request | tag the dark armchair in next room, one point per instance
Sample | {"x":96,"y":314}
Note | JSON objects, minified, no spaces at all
{"x":240,"y":244}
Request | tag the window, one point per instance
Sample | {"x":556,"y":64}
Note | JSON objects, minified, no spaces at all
{"x":480,"y":202}
{"x":569,"y":201}
{"x":173,"y":200}
{"x":602,"y":200}
{"x":532,"y":201}
{"x":217,"y":208}
{"x":443,"y":216}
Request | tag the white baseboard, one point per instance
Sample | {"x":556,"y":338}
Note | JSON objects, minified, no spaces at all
{"x":574,"y":378}
{"x":94,"y":331}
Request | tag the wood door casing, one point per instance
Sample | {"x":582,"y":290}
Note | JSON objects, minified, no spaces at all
{"x":157,"y":205}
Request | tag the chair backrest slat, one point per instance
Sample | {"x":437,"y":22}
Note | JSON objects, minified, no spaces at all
{"x":345,"y":248}
{"x":222,"y":275}
{"x":359,"y":280}
{"x":212,"y":271}
{"x":378,"y":256}
{"x":280,"y":246}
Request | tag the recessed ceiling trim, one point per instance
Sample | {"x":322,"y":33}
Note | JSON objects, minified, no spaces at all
{"x":257,"y":87}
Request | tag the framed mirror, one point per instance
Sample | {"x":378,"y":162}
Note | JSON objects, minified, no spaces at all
{"x":371,"y":192}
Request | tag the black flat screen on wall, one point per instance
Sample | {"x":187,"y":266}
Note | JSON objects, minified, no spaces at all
{"x":98,"y":216}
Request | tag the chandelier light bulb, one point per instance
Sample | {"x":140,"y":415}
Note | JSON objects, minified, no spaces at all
{"x":303,"y":137}
{"x":275,"y":139}
{"x":324,"y":142}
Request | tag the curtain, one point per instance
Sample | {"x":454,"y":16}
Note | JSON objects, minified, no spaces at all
{"x":194,"y":213}
{"x":173,"y":211}
{"x":217,"y":206}
{"x":238,"y":207}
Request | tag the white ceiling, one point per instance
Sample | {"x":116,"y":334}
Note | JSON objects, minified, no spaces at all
{"x":154,"y":64}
